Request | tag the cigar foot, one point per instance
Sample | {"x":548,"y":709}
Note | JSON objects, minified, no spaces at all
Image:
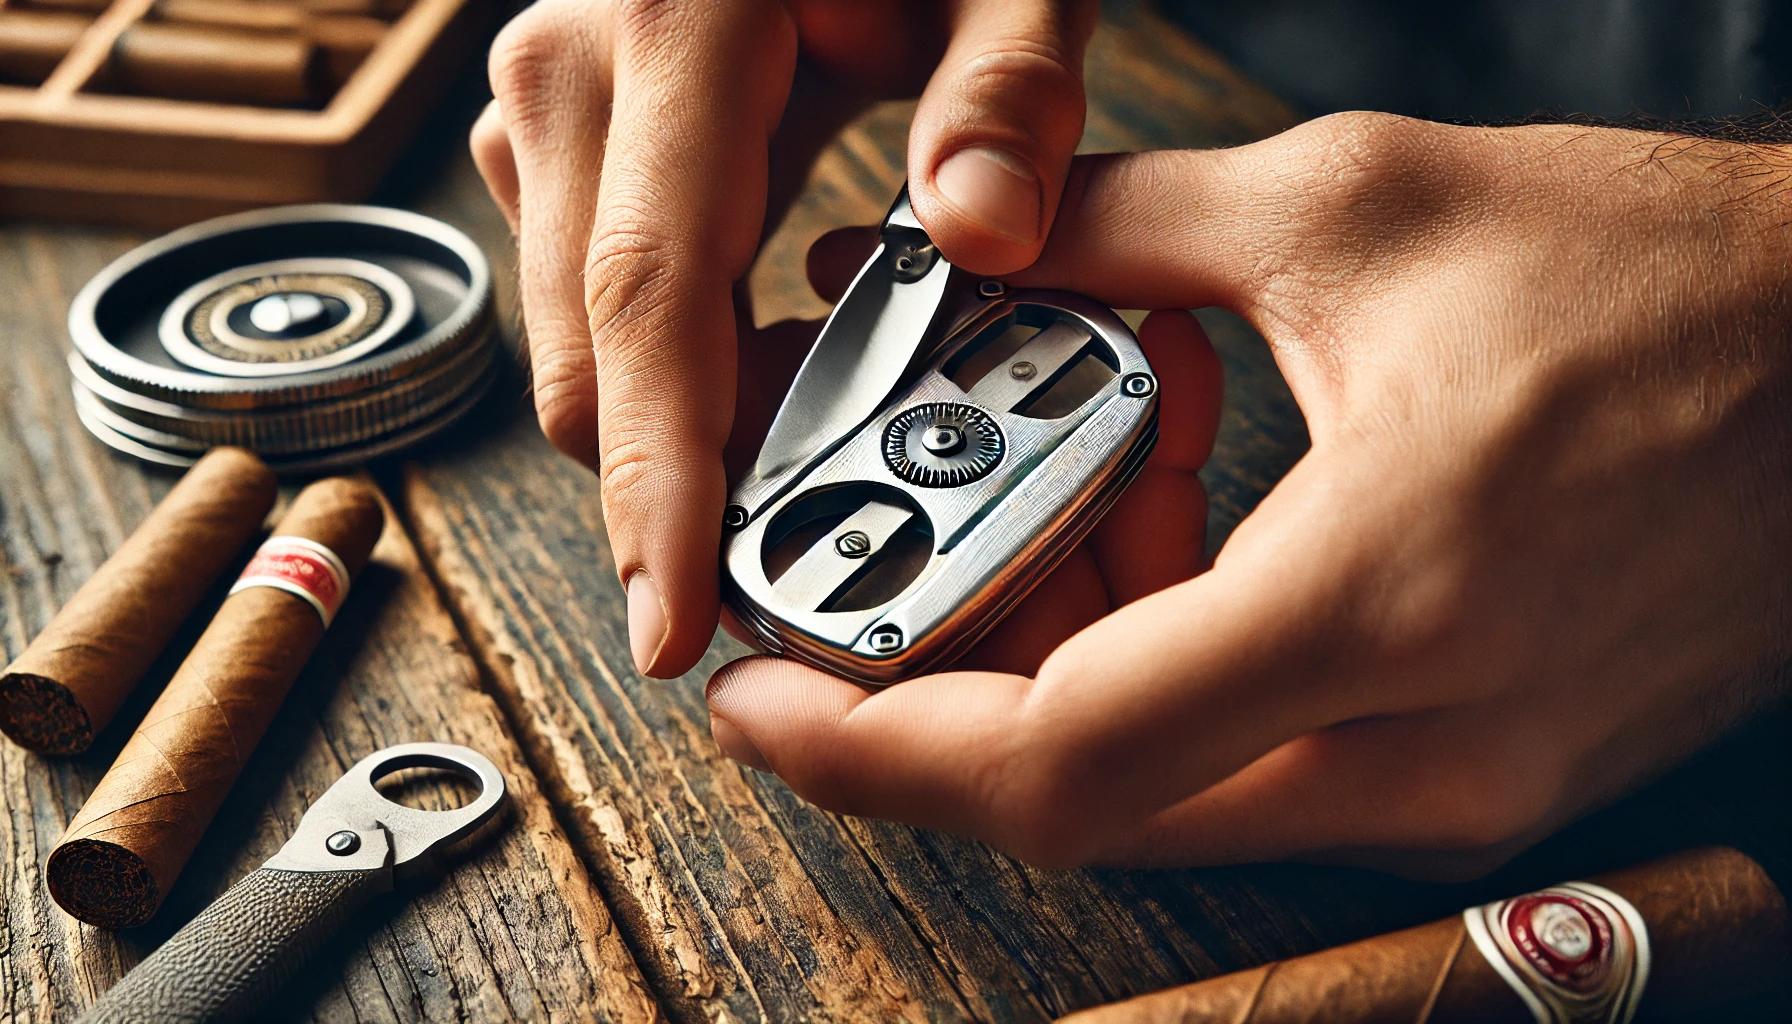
{"x":41,"y":714}
{"x":102,"y":883}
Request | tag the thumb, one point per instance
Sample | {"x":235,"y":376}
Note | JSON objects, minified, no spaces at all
{"x":995,"y":129}
{"x":1246,"y":229}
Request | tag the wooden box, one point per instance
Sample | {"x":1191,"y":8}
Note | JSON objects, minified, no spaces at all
{"x":161,"y":112}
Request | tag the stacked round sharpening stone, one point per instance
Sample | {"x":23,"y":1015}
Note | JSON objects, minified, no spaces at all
{"x":317,"y":336}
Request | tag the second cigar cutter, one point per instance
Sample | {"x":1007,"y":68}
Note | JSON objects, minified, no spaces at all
{"x":945,"y":444}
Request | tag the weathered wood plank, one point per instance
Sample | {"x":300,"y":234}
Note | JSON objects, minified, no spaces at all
{"x":740,"y":901}
{"x":517,"y":931}
{"x":735,"y":899}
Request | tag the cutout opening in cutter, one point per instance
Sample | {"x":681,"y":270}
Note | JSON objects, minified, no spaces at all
{"x":424,"y":782}
{"x":428,"y":788}
{"x":1036,"y":362}
{"x":847,"y":548}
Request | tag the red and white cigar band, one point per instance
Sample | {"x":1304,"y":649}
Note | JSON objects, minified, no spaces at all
{"x":1575,"y":953}
{"x":299,"y":566}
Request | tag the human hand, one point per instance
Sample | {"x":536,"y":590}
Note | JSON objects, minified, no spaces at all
{"x":1537,"y":553}
{"x":631,"y":145}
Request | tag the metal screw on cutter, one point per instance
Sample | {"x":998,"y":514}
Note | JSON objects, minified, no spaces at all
{"x":943,"y":439}
{"x":914,"y":260}
{"x":343,"y":843}
{"x":1022,"y":370}
{"x":886,"y":639}
{"x":734,"y":517}
{"x":1138,"y":385}
{"x":853,"y":544}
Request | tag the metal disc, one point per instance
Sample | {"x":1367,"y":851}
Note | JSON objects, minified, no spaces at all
{"x":328,"y":461}
{"x":942,"y":444}
{"x":114,"y":320}
{"x":318,"y":336}
{"x":230,"y":323}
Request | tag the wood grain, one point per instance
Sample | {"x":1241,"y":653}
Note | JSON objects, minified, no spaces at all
{"x":741,"y":902}
{"x":516,"y":931}
{"x":738,"y":899}
{"x":735,"y":900}
{"x":104,"y":143}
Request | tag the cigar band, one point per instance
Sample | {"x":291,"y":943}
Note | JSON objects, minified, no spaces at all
{"x":1575,"y":953}
{"x":301,"y":567}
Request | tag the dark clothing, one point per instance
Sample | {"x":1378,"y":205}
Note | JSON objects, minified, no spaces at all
{"x":1506,"y":59}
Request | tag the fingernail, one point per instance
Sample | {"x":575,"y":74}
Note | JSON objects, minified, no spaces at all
{"x":646,"y":620}
{"x":735,"y":744}
{"x":993,"y":187}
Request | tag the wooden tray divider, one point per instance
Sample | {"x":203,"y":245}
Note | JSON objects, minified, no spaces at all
{"x":387,"y":63}
{"x":73,"y":147}
{"x":91,"y":51}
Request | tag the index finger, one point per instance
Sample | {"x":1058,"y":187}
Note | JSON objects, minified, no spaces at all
{"x":679,"y":209}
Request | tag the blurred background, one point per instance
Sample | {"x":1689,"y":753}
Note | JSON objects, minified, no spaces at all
{"x":1487,"y":60}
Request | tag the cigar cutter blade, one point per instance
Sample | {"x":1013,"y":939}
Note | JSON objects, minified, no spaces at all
{"x":946,"y":442}
{"x":351,"y":845}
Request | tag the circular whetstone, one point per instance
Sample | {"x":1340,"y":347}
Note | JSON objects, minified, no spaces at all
{"x":102,"y":883}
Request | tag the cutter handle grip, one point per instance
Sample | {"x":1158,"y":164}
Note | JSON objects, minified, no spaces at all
{"x":239,"y":950}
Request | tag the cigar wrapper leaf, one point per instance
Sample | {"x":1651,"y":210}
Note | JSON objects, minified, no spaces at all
{"x":1716,"y":929}
{"x":216,"y":64}
{"x":125,"y":848}
{"x":33,"y":42}
{"x":66,"y":686}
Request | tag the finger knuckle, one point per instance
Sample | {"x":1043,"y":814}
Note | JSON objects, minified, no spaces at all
{"x":627,"y":280}
{"x":566,"y":399}
{"x":639,"y":18}
{"x":1026,"y":63}
{"x":1024,"y":78}
{"x":625,"y":468}
{"x":524,"y":51}
{"x":527,"y":55}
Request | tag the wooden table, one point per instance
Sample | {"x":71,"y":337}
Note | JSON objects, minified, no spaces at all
{"x":645,"y":875}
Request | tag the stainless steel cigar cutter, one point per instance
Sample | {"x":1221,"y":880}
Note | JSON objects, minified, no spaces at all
{"x":351,"y":845}
{"x":944,"y":445}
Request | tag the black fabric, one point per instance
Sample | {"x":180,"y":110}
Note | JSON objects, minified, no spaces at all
{"x":1505,"y":59}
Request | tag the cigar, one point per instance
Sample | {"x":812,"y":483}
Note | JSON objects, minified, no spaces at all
{"x":84,"y":6}
{"x":125,"y":848}
{"x":343,"y":41}
{"x":219,"y":65}
{"x":1675,"y":939}
{"x":374,"y":8}
{"x":32,"y":43}
{"x":266,"y":15}
{"x":69,"y":682}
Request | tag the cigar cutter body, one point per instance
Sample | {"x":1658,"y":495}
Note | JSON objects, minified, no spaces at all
{"x":946,"y":442}
{"x":351,"y":845}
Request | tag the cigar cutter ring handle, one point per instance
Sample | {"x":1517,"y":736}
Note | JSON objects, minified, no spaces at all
{"x":350,"y":846}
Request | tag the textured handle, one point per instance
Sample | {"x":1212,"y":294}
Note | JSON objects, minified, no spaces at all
{"x":239,"y":949}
